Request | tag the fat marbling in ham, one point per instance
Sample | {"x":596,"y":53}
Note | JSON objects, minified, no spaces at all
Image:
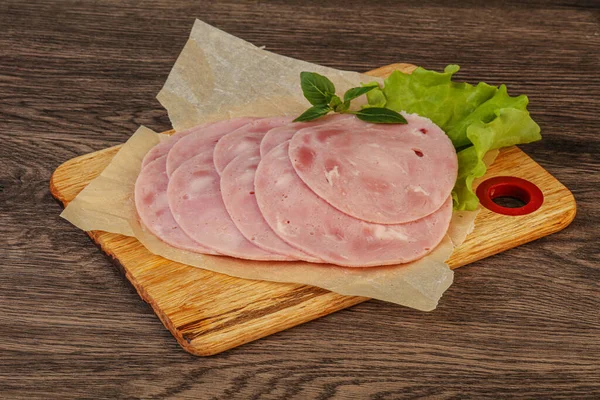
{"x":245,"y":140}
{"x":386,"y":174}
{"x":197,"y":142}
{"x":237,"y":189}
{"x":163,"y":147}
{"x":194,"y":196}
{"x":153,"y":207}
{"x":335,"y":190}
{"x":281,"y":134}
{"x":306,"y":221}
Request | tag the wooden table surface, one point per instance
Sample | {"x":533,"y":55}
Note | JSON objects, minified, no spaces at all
{"x":81,"y":76}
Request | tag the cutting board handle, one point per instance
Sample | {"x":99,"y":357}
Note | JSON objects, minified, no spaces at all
{"x":510,"y":186}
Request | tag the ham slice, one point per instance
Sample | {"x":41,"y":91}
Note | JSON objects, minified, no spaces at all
{"x":194,"y":197}
{"x":281,"y":134}
{"x":163,"y":148}
{"x":386,"y":174}
{"x":153,"y":207}
{"x":200,"y":140}
{"x":307,"y":222}
{"x":237,"y":190}
{"x":245,"y":140}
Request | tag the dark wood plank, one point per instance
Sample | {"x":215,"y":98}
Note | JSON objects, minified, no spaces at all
{"x":80,"y":76}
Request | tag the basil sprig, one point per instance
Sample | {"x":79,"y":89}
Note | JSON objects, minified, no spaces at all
{"x":320,"y":92}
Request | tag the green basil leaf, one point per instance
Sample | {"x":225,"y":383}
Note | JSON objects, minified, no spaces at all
{"x":353,"y":93}
{"x":317,"y":89}
{"x":378,"y":115}
{"x":343,"y":107}
{"x":313,"y":113}
{"x":335,"y":102}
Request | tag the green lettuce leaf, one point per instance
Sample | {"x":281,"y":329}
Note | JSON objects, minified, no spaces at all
{"x":476,"y":118}
{"x":508,"y":128}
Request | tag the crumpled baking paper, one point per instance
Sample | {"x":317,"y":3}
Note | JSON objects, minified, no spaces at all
{"x":219,"y":76}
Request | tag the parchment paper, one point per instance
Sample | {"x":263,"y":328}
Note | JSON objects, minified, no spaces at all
{"x":220,"y":76}
{"x":106,"y":203}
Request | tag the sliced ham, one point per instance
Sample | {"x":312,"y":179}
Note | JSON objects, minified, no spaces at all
{"x":307,"y":222}
{"x":201,"y":140}
{"x":237,"y":190}
{"x":281,"y":134}
{"x":245,"y":140}
{"x":153,"y":207}
{"x":386,"y":174}
{"x":163,"y":147}
{"x":194,"y":197}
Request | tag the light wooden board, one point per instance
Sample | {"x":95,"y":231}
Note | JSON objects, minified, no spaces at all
{"x":208,"y":312}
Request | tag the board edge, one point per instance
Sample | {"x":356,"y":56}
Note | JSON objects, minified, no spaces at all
{"x":196,"y":346}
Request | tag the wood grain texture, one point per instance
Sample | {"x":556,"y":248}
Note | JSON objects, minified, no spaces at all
{"x":76,"y":77}
{"x":209,"y":312}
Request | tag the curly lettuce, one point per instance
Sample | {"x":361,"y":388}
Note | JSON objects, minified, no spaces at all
{"x":477,"y":118}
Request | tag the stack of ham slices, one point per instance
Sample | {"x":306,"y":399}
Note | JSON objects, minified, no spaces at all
{"x":336,"y":190}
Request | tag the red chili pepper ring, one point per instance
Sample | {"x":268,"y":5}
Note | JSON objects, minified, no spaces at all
{"x":510,"y":186}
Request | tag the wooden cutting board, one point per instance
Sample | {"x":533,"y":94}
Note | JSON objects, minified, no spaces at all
{"x":209,"y":312}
